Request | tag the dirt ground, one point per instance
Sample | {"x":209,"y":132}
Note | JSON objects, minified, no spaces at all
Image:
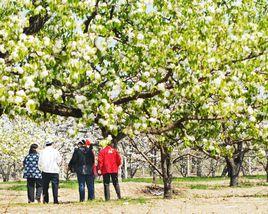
{"x":224,"y":200}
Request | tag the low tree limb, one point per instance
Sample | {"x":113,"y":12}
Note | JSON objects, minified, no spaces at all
{"x":60,"y":109}
{"x":145,"y":157}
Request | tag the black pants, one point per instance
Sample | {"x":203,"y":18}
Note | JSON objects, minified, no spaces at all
{"x":54,"y":178}
{"x":33,"y":183}
{"x":106,"y":178}
{"x":106,"y":182}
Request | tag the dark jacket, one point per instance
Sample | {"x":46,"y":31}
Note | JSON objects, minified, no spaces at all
{"x":30,"y":165}
{"x":82,"y":161}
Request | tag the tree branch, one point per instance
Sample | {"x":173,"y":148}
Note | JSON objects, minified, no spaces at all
{"x":157,"y":131}
{"x":60,"y":109}
{"x":91,"y":17}
{"x":37,"y":22}
{"x":145,"y":95}
{"x":145,"y":157}
{"x":181,"y":156}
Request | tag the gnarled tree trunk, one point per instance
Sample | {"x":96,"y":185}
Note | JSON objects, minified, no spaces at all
{"x":166,"y":165}
{"x":213,"y":167}
{"x":266,"y":168}
{"x":199,"y":170}
{"x":234,"y":164}
{"x":155,"y":163}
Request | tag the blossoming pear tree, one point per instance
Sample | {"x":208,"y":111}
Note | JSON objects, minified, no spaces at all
{"x":132,"y":66}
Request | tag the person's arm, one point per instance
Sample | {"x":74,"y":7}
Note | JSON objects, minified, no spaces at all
{"x":73,"y":160}
{"x":92,"y":155}
{"x":100,"y":162}
{"x":40,"y":161}
{"x":118,"y":159}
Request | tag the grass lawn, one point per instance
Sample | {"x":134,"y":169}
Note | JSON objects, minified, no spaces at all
{"x":186,"y":182}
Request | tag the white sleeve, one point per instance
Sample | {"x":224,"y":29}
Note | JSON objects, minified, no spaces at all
{"x":40,"y":161}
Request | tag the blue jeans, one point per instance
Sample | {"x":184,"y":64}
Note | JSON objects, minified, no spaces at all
{"x":89,"y":181}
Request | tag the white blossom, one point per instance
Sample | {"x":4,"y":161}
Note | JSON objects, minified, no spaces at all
{"x":18,"y":100}
{"x":29,"y":83}
{"x":161,"y":86}
{"x":21,"y":93}
{"x":139,"y":101}
{"x":154,"y":112}
{"x":80,"y":98}
{"x":140,"y":36}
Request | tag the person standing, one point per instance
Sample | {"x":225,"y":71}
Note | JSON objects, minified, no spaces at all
{"x":82,"y":163}
{"x":49,"y":161}
{"x":109,"y":161}
{"x":33,"y":174}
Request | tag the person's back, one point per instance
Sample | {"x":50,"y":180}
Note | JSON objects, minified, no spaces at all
{"x":83,"y":160}
{"x":82,"y":163}
{"x":30,"y":164}
{"x":49,"y":160}
{"x":33,"y":174}
{"x":109,"y":161}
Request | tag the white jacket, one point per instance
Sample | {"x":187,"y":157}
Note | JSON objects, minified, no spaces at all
{"x":49,"y":160}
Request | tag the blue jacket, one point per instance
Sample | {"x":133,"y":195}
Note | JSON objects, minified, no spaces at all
{"x":30,"y":164}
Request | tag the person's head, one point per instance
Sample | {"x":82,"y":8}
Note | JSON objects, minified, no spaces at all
{"x":49,"y":143}
{"x":80,"y":144}
{"x":33,"y":148}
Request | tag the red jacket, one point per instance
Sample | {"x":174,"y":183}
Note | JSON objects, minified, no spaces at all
{"x":109,"y":160}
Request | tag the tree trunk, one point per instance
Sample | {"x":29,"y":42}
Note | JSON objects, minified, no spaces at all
{"x":188,"y":166}
{"x":199,"y":167}
{"x":224,"y":171}
{"x":249,"y":166}
{"x":234,"y":165}
{"x":5,"y":177}
{"x":266,"y":168}
{"x":154,"y":162}
{"x":213,"y":167}
{"x":133,"y":172}
{"x":125,"y":168}
{"x":234,"y":180}
{"x":267,"y":173}
{"x":166,"y":166}
{"x":5,"y":173}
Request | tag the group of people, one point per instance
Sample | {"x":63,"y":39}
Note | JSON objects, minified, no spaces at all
{"x":41,"y":169}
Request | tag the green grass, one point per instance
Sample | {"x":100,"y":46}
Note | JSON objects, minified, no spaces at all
{"x":199,"y":186}
{"x":198,"y":179}
{"x":71,"y":184}
{"x":255,"y":177}
{"x":14,"y":182}
{"x":181,"y":182}
{"x":96,"y":202}
{"x":179,"y":179}
{"x":144,"y":180}
{"x":17,"y":187}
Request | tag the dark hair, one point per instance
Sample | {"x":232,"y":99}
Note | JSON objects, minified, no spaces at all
{"x":33,"y":148}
